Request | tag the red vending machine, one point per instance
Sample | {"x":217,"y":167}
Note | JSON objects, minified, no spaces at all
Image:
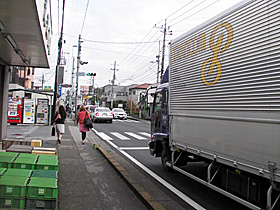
{"x":15,"y":108}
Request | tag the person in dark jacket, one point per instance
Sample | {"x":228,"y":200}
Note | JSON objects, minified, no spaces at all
{"x":59,"y":117}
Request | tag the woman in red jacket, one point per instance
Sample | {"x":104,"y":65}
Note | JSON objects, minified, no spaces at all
{"x":80,"y":119}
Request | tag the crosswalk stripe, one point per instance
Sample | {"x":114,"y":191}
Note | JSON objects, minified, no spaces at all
{"x":118,"y":120}
{"x":135,"y":136}
{"x":145,"y":134}
{"x":102,"y":135}
{"x":120,"y":136}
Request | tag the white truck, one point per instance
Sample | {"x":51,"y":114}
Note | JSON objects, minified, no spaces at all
{"x":222,"y":104}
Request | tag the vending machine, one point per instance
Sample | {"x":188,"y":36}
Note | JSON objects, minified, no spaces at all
{"x":29,"y":111}
{"x":42,"y":111}
{"x":15,"y":107}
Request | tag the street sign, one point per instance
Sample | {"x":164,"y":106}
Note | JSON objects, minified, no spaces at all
{"x":81,"y":74}
{"x":59,"y":89}
{"x":66,"y":85}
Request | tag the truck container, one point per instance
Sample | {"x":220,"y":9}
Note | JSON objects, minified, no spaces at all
{"x":222,"y":104}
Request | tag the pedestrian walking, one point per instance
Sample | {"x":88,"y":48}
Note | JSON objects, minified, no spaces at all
{"x":82,"y":114}
{"x":68,"y":110}
{"x":59,"y":117}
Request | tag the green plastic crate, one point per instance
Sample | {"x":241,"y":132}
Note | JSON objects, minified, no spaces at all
{"x":45,"y":174}
{"x":13,"y":186}
{"x":9,"y":154}
{"x":28,"y":155}
{"x":18,"y":172}
{"x":40,"y":204}
{"x":42,"y":188}
{"x":6,"y":161}
{"x":2,"y":171}
{"x":12,"y":203}
{"x":25,"y":163}
{"x":49,"y":157}
{"x":47,"y":164}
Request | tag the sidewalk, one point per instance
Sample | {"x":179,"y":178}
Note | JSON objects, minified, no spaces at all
{"x":93,"y":176}
{"x":86,"y":180}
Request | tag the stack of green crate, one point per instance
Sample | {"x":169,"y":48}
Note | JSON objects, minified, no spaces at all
{"x":26,"y":161}
{"x":43,"y":186}
{"x":7,"y":159}
{"x":42,"y":193}
{"x":13,"y":191}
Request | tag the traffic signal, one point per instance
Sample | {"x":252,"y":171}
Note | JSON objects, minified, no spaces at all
{"x":91,"y":74}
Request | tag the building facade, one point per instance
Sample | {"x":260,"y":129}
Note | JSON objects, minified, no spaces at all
{"x":25,"y":35}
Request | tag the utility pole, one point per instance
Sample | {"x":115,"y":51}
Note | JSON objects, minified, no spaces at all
{"x":158,"y":57}
{"x":163,"y":48}
{"x":57,"y":64}
{"x":72,"y":82}
{"x":163,"y":51}
{"x":42,"y":81}
{"x":77,"y":76}
{"x":113,"y":83}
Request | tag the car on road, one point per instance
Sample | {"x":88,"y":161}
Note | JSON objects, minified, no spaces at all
{"x":90,"y":109}
{"x":102,"y":114}
{"x":119,"y":113}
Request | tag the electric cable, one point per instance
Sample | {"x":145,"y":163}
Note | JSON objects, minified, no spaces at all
{"x":84,"y":17}
{"x":194,"y":13}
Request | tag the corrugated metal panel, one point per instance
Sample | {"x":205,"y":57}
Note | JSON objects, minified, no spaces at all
{"x":250,"y":64}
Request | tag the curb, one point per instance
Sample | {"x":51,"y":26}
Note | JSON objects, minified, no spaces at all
{"x":148,"y":200}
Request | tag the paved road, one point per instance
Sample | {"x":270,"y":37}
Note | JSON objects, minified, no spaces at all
{"x":131,"y":138}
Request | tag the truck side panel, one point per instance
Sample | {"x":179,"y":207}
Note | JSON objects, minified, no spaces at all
{"x":225,"y":88}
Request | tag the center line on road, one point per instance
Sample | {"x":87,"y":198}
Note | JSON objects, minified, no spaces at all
{"x":159,"y":179}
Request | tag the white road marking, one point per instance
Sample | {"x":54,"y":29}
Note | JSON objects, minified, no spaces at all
{"x":102,"y":135}
{"x":135,"y":136}
{"x":145,"y":134}
{"x":160,"y":180}
{"x":120,"y":136}
{"x":118,"y":120}
{"x":134,"y":148}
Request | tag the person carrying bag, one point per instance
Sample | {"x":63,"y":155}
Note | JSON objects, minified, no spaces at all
{"x":84,"y":119}
{"x":60,"y":116}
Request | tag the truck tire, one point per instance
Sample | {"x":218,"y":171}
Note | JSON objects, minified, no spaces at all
{"x":165,"y":157}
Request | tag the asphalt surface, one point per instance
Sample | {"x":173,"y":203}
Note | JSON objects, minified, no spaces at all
{"x":94,"y":176}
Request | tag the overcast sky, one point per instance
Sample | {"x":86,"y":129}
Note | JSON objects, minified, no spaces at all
{"x":123,"y":31}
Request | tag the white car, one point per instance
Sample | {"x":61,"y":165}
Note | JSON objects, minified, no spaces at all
{"x":90,"y":109}
{"x":119,"y":113}
{"x":102,"y":114}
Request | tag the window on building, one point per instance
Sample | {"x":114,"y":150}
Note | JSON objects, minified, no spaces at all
{"x":134,"y":92}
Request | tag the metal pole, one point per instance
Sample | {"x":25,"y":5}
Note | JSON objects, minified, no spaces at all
{"x":57,"y":65}
{"x":158,"y":57}
{"x":163,"y":49}
{"x":77,"y":76}
{"x":72,"y":81}
{"x":113,"y":83}
{"x":93,"y":90}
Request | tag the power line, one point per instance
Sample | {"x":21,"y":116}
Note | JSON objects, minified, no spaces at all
{"x":84,"y":17}
{"x":136,"y":46}
{"x":194,"y":13}
{"x":103,"y":42}
{"x":186,"y":11}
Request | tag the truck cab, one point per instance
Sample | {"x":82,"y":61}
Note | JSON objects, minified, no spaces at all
{"x":159,"y":121}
